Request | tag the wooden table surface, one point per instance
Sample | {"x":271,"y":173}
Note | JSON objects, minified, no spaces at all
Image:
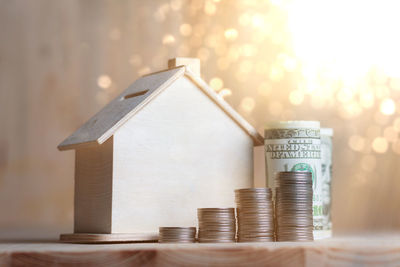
{"x":343,"y":251}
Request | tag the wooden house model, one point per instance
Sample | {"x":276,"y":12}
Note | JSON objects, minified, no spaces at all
{"x":164,"y":147}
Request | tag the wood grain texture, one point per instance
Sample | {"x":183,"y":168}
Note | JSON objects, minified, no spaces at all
{"x":81,"y":238}
{"x":177,"y":146}
{"x":93,"y":188}
{"x":366,"y":251}
{"x":104,"y":124}
{"x":179,"y":153}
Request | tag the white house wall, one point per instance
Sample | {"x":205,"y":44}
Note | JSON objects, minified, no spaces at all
{"x":93,"y":188}
{"x":179,"y":153}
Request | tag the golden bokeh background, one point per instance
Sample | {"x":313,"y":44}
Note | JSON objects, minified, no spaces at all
{"x":332,"y":61}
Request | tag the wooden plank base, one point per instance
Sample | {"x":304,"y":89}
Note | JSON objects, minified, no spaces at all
{"x":347,"y":251}
{"x":82,"y":238}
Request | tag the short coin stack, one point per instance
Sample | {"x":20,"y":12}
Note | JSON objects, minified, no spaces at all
{"x":177,"y":235}
{"x":216,"y":225}
{"x":255,"y":215}
{"x":293,"y":206}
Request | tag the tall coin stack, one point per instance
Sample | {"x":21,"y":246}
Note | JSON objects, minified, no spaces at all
{"x":294,"y":206}
{"x":177,"y":235}
{"x":255,"y":215}
{"x":216,"y":225}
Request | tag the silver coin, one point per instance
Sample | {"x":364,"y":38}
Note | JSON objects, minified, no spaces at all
{"x":293,"y":207}
{"x":216,"y":225}
{"x":255,"y":212}
{"x":255,"y":215}
{"x":177,"y":234}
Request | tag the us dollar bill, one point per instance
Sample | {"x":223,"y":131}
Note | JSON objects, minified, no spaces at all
{"x":296,"y":146}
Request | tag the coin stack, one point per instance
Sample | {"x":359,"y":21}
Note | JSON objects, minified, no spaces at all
{"x":255,"y":215}
{"x":177,"y":235}
{"x":293,"y":206}
{"x":216,"y":225}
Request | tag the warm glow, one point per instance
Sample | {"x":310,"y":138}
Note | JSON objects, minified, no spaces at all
{"x":348,"y":37}
{"x":265,"y":89}
{"x":225,"y":92}
{"x":248,"y":104}
{"x":344,"y":42}
{"x":388,"y":107}
{"x":337,"y":57}
{"x":210,"y":8}
{"x":244,"y":19}
{"x":380,"y":145}
{"x":185,"y":29}
{"x":168,"y":39}
{"x":337,"y":62}
{"x":216,"y":83}
{"x":296,"y":97}
{"x":257,"y":20}
{"x":276,"y":74}
{"x":367,"y":99}
{"x":104,"y":81}
{"x":231,"y":34}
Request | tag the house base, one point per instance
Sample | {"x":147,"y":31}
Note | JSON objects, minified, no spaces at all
{"x":83,"y":238}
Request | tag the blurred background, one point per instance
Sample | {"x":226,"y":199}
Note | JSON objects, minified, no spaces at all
{"x":332,"y":61}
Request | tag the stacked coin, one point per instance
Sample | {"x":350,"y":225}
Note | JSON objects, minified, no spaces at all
{"x":293,"y":206}
{"x":255,"y":215}
{"x":216,"y":225}
{"x":177,"y":235}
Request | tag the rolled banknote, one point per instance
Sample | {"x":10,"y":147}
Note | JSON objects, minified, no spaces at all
{"x":296,"y":146}
{"x":326,"y":171}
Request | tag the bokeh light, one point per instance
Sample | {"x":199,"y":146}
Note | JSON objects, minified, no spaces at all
{"x":225,"y":92}
{"x":248,"y":104}
{"x":380,"y":145}
{"x":216,"y":83}
{"x":185,"y":29}
{"x":231,"y":34}
{"x":283,"y":56}
{"x":388,"y":106}
{"x":104,"y":81}
{"x":168,"y":39}
{"x":296,"y":97}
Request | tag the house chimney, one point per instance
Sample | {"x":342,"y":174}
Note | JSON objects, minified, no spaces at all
{"x":192,"y":63}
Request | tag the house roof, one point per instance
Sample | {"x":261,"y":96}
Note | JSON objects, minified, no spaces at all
{"x":104,"y":124}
